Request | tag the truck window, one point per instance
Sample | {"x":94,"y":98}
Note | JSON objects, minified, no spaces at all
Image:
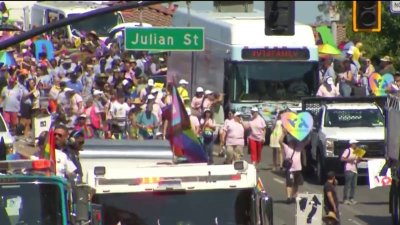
{"x":31,"y":204}
{"x":101,"y":25}
{"x":354,"y":118}
{"x":254,"y":81}
{"x":221,"y":207}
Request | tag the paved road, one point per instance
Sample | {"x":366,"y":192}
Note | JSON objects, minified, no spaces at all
{"x":372,"y":207}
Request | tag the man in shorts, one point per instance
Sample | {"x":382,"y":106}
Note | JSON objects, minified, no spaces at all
{"x":11,"y":97}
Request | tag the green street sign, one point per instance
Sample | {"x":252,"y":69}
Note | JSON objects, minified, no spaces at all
{"x":165,"y":38}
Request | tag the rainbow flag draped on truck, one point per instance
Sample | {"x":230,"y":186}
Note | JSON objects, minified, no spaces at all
{"x":50,"y":149}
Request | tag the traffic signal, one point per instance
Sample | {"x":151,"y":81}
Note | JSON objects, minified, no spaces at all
{"x":279,"y":17}
{"x":366,"y":16}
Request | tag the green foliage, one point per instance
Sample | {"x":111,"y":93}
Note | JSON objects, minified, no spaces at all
{"x":382,"y":43}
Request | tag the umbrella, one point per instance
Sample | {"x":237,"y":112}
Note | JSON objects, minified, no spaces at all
{"x":328,"y":49}
{"x":7,"y":59}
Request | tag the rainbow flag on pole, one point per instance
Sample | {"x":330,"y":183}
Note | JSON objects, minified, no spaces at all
{"x":183,"y":140}
{"x":50,"y":149}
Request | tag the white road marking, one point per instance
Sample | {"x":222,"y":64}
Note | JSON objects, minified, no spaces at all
{"x":279,"y":180}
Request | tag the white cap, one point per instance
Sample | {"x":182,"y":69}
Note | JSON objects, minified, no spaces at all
{"x":150,"y":97}
{"x":68,"y":89}
{"x":254,"y":109}
{"x":237,"y":114}
{"x":199,"y":89}
{"x":207,"y":92}
{"x":82,"y":116}
{"x":97,"y":92}
{"x":158,"y":133}
{"x":132,"y":106}
{"x":353,"y":141}
{"x":150,"y":82}
{"x":183,"y":81}
{"x":125,"y":82}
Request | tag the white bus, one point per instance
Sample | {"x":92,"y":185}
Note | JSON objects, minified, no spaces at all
{"x":44,"y":12}
{"x":252,"y":69}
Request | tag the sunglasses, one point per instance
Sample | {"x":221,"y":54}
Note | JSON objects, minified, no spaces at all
{"x":58,"y":134}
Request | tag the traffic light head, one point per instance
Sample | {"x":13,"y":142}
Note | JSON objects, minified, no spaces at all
{"x":279,"y":17}
{"x":366,"y":16}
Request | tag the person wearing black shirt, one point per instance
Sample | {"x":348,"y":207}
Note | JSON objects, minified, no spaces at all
{"x":331,"y":203}
{"x":76,"y":141}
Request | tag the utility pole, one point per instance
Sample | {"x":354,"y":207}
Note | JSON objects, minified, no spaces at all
{"x":63,"y":22}
{"x":334,"y":17}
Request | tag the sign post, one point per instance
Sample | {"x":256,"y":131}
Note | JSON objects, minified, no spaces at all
{"x":164,"y":38}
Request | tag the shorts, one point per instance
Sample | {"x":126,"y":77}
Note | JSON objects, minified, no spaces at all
{"x":11,"y":118}
{"x":26,"y":111}
{"x":295,"y":180}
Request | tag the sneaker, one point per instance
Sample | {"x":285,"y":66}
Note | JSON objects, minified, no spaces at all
{"x":353,"y":202}
{"x":346,"y":202}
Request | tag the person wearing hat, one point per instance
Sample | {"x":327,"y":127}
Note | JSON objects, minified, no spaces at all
{"x":328,"y":88}
{"x":233,"y":138}
{"x":256,"y":139}
{"x":196,"y":101}
{"x":387,"y":66}
{"x":208,"y":127}
{"x":147,"y":123}
{"x":208,"y":100}
{"x":331,"y":202}
{"x":350,"y":172}
{"x":183,"y":92}
{"x":147,"y":90}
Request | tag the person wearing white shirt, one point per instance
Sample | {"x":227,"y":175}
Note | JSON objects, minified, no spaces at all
{"x":119,"y":113}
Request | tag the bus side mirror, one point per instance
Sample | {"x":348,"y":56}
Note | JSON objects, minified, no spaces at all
{"x":266,"y":204}
{"x":81,"y":200}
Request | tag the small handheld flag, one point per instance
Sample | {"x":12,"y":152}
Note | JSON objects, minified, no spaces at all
{"x":260,"y":186}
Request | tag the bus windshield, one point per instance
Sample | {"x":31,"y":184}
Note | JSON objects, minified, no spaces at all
{"x":30,"y":204}
{"x":99,"y":24}
{"x":257,"y":81}
{"x":220,"y":207}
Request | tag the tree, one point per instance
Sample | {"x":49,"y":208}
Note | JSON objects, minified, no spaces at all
{"x":381,"y":43}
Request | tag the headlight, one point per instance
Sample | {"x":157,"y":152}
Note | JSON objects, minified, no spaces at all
{"x":329,"y":147}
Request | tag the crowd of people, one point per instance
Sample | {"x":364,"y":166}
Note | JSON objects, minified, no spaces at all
{"x":350,"y":76}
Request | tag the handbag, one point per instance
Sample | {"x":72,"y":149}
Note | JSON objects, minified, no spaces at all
{"x":287,"y":163}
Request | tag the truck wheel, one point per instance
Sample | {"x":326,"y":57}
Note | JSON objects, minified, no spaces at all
{"x":321,"y":176}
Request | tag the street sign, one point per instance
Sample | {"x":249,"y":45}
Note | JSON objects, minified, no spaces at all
{"x":165,"y":38}
{"x":309,"y":209}
{"x":395,"y":6}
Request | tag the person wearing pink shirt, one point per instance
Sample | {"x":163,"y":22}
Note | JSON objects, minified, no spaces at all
{"x":207,"y":100}
{"x":350,"y":172}
{"x":292,"y":150}
{"x":328,"y":88}
{"x":256,"y":139}
{"x":196,"y":101}
{"x":221,"y":133}
{"x":194,"y":122}
{"x":233,"y":137}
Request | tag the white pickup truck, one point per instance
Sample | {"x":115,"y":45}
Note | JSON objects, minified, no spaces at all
{"x":338,"y":120}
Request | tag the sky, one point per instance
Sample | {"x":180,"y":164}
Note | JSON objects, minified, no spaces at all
{"x":305,"y":11}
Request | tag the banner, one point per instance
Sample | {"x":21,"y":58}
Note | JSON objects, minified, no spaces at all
{"x":374,"y":168}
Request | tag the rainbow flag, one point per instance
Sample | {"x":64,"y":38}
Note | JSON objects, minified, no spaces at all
{"x":50,"y":149}
{"x":260,"y":186}
{"x":183,"y":140}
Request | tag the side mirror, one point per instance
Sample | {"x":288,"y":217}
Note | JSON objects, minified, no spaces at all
{"x":81,"y":200}
{"x":266,"y":203}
